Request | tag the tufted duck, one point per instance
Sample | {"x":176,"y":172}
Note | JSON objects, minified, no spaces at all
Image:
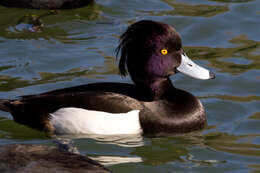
{"x":45,"y":4}
{"x":151,"y":52}
{"x":25,"y":158}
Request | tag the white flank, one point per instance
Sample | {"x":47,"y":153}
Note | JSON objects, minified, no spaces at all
{"x":191,"y":69}
{"x":82,"y":121}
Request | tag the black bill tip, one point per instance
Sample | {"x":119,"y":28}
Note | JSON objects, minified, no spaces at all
{"x":212,"y":75}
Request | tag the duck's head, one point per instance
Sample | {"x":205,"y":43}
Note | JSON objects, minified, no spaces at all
{"x":153,"y":50}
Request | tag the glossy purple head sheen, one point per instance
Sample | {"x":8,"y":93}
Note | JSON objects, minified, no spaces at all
{"x":141,"y":47}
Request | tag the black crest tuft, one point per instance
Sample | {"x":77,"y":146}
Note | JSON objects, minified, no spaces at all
{"x":125,"y":40}
{"x":122,"y":47}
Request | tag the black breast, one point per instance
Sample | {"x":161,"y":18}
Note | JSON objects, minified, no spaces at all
{"x":178,"y":112}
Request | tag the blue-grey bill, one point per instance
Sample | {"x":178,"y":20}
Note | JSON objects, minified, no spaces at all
{"x":188,"y":67}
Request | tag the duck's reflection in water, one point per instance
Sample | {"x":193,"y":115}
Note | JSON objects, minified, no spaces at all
{"x":133,"y":140}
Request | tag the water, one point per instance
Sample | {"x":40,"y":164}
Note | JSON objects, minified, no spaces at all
{"x":77,"y":47}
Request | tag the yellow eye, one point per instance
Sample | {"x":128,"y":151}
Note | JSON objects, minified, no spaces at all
{"x":164,"y":51}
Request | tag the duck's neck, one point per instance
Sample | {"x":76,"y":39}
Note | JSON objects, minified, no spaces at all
{"x":150,"y":90}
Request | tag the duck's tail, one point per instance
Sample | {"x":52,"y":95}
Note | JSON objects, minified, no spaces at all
{"x":4,"y":105}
